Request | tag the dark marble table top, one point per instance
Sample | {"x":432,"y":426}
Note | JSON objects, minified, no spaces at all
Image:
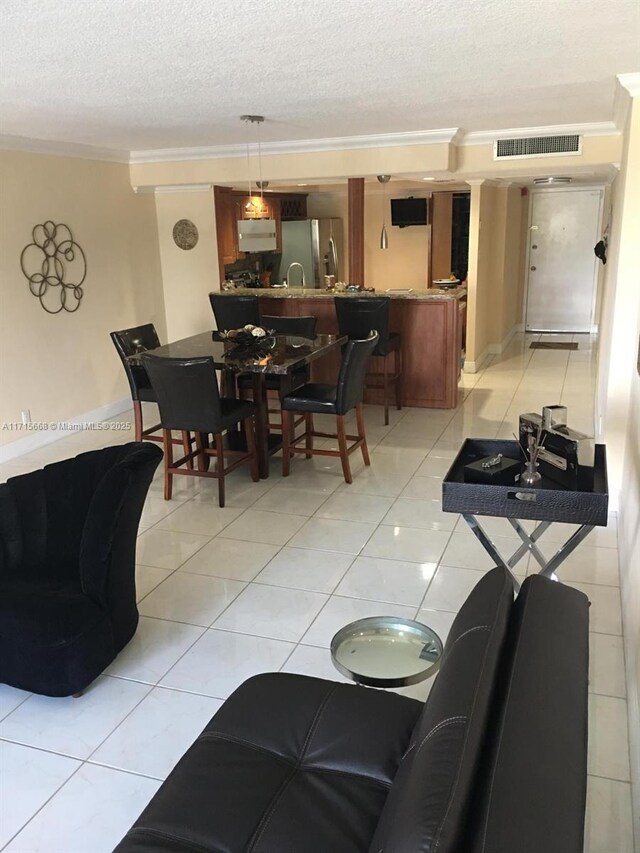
{"x":289,"y":352}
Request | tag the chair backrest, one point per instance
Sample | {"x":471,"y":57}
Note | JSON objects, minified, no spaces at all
{"x":355,"y":356}
{"x":234,"y":312}
{"x":303,"y":327}
{"x":357,"y":315}
{"x":187,"y":392}
{"x":131,"y":342}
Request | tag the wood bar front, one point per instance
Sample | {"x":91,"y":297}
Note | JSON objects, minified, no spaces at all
{"x":431,"y":331}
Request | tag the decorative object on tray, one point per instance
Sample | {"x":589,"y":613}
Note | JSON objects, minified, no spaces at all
{"x":249,"y":341}
{"x":185,"y":234}
{"x":54,"y":260}
{"x":564,"y":455}
{"x":495,"y":470}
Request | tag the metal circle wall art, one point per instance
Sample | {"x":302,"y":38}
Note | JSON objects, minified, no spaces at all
{"x":55,"y":267}
{"x":185,"y":234}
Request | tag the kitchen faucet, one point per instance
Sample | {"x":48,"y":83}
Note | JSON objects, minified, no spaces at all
{"x":296,"y":264}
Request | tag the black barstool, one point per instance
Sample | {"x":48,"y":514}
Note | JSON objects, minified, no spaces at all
{"x":356,"y":317}
{"x":234,"y":311}
{"x":188,"y":398}
{"x":338,"y":400}
{"x":133,"y":342}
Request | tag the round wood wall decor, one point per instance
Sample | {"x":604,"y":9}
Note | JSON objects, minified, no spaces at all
{"x":185,"y":234}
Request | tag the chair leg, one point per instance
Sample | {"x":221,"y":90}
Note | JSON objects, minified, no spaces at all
{"x":344,"y":454}
{"x":249,"y":431}
{"x":398,"y":383}
{"x":137,"y":419}
{"x":220,"y":463}
{"x":361,"y":433}
{"x":202,"y":459}
{"x":286,"y":439}
{"x":308,"y":426}
{"x":385,"y":381}
{"x":186,"y":446}
{"x":167,"y":446}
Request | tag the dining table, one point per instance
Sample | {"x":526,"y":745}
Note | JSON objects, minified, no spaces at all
{"x":282,"y":356}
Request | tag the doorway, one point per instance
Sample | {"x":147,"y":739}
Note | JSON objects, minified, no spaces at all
{"x":562,"y":276}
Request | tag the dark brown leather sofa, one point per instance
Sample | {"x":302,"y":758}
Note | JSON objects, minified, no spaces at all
{"x":494,"y":762}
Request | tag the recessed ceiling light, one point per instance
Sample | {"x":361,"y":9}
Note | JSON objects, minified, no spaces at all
{"x":303,"y":185}
{"x":428,"y":179}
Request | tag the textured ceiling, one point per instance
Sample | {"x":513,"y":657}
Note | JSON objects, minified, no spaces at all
{"x":138,"y":74}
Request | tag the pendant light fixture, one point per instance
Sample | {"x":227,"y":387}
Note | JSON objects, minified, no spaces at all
{"x":255,"y":234}
{"x":384,"y":238}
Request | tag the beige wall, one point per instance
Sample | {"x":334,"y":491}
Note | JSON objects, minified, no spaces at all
{"x":187,"y":276}
{"x":619,"y":409}
{"x":61,"y":366}
{"x":405,"y":262}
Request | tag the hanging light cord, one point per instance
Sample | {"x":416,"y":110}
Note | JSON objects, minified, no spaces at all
{"x":260,"y":164}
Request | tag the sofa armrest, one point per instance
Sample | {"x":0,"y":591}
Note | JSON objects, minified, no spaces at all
{"x":532,"y":786}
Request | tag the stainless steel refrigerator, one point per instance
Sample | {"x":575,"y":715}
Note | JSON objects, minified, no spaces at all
{"x":317,"y":244}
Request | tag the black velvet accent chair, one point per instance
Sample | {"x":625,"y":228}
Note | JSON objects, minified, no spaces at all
{"x":315,"y":398}
{"x":356,"y":317}
{"x":67,"y":567}
{"x":188,"y":397}
{"x":134,"y":341}
{"x":299,"y":327}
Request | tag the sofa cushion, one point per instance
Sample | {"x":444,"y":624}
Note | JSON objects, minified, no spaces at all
{"x":536,"y":756}
{"x":289,"y":763}
{"x":430,"y":799}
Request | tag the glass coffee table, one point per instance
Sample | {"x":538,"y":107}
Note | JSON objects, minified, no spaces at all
{"x":386,"y":651}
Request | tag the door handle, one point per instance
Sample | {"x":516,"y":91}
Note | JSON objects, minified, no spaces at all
{"x":533,"y":268}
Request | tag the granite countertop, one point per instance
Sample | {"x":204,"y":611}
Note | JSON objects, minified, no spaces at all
{"x":318,"y":293}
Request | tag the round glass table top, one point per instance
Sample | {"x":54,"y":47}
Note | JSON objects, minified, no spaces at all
{"x":385,"y":651}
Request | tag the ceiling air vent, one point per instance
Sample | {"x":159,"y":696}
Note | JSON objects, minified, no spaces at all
{"x":536,"y":146}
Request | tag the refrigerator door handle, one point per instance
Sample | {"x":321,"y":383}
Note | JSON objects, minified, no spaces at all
{"x":333,"y":257}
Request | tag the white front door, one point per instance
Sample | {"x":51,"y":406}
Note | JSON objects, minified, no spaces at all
{"x":563,"y":271}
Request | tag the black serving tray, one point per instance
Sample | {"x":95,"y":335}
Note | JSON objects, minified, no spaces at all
{"x":546,"y":502}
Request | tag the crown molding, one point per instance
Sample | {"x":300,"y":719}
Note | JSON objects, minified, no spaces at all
{"x":296,"y":146}
{"x":173,"y":188}
{"x":630,"y":82}
{"x":488,"y":137}
{"x":62,"y":149}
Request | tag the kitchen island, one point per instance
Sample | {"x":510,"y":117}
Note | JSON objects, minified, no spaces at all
{"x":430,"y":323}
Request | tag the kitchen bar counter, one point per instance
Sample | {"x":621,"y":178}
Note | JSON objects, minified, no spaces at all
{"x":430,"y":324}
{"x":317,"y":293}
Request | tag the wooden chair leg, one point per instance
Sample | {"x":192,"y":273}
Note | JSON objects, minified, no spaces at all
{"x":398,"y":383}
{"x":361,"y":433}
{"x":385,"y":381}
{"x":249,"y":431}
{"x":344,"y":454}
{"x":202,"y":460}
{"x":186,"y":446}
{"x":286,"y":439}
{"x":308,"y":426}
{"x":167,"y":446}
{"x":137,"y":419}
{"x":220,"y":463}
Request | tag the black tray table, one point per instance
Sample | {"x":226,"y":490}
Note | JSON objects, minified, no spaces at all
{"x":546,"y":503}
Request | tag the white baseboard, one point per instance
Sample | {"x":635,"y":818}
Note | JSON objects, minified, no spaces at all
{"x":478,"y":364}
{"x":496,"y":349}
{"x":41,"y":437}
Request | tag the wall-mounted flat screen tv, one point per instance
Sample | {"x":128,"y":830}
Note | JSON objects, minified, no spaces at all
{"x":408,"y":211}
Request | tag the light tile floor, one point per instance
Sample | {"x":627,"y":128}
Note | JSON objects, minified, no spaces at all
{"x":263,"y":584}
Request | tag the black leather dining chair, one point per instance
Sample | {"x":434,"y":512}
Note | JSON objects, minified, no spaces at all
{"x":301,"y":327}
{"x":234,"y":311}
{"x":338,"y":400}
{"x":134,"y":341}
{"x":188,"y":399}
{"x":356,"y":317}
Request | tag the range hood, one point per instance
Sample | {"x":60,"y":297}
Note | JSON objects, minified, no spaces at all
{"x":257,"y":235}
